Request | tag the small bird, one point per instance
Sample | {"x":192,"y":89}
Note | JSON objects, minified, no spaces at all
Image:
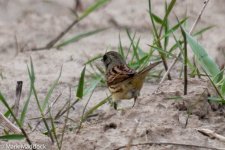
{"x":122,"y":81}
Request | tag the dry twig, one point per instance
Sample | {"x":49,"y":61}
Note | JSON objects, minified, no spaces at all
{"x":170,"y":143}
{"x":47,"y":111}
{"x":18,"y":95}
{"x":211,"y":134}
{"x":57,"y":38}
{"x":6,"y":123}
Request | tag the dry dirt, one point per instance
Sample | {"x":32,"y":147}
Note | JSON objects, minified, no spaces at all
{"x":25,"y":24}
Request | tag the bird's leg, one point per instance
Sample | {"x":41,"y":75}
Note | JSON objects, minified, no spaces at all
{"x":115,"y":105}
{"x":135,"y":99}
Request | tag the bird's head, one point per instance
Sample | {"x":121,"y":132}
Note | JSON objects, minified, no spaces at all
{"x":111,"y":59}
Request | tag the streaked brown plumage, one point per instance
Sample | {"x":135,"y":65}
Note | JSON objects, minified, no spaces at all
{"x":123,"y":82}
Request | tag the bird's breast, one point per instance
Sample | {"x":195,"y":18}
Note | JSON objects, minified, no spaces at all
{"x":125,"y":90}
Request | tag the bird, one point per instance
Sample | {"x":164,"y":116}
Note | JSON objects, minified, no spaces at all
{"x":122,"y":81}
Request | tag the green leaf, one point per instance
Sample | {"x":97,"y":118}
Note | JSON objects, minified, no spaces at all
{"x":93,"y":7}
{"x":204,"y":59}
{"x":79,"y":37}
{"x":51,"y":90}
{"x":80,"y":89}
{"x":12,"y":137}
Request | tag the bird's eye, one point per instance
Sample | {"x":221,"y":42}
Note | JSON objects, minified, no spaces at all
{"x":104,"y":58}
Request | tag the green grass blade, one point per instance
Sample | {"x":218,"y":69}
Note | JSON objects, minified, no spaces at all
{"x":166,"y":28}
{"x":7,"y":113}
{"x":2,"y":99}
{"x":174,"y":28}
{"x":51,"y":91}
{"x":165,"y":19}
{"x":130,"y":46}
{"x":136,"y":65}
{"x":1,"y":75}
{"x":136,"y":54}
{"x":170,"y":7}
{"x":215,"y":87}
{"x":32,"y":80}
{"x":92,"y":86}
{"x":93,"y":59}
{"x":79,"y":37}
{"x":175,"y":46}
{"x":202,"y":30}
{"x":93,"y":7}
{"x":157,"y":19}
{"x":80,"y":89}
{"x":90,"y":111}
{"x":166,"y":53}
{"x":120,"y":48}
{"x":185,"y":61}
{"x":179,"y":44}
{"x":216,"y":99}
{"x":152,"y":19}
{"x":220,"y":74}
{"x":25,"y":107}
{"x":32,"y":74}
{"x":12,"y":137}
{"x":134,"y":46}
{"x":223,"y":88}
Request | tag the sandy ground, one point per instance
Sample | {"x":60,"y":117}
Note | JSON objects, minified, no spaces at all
{"x":34,"y":23}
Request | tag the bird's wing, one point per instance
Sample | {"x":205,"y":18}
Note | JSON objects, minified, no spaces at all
{"x":119,"y":74}
{"x":139,"y":77}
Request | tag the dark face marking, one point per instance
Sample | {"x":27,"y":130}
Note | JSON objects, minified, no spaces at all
{"x":106,"y":60}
